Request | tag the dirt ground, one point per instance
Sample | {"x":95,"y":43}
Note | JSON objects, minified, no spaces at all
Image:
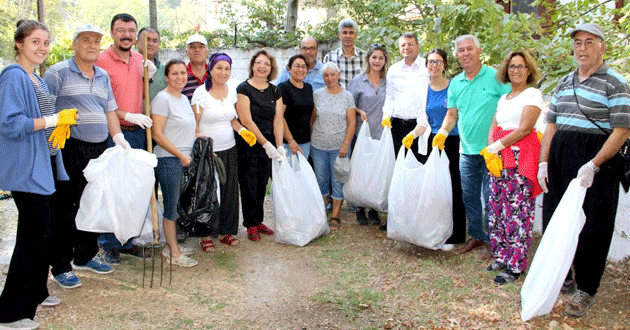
{"x":355,"y":278}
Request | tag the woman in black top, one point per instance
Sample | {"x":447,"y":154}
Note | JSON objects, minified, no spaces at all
{"x":259,"y":108}
{"x":297,"y":100}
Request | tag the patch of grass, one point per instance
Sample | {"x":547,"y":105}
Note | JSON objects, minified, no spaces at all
{"x":350,"y":302}
{"x":226,"y":261}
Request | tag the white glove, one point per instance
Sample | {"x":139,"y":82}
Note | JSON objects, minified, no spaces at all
{"x":51,"y":121}
{"x":543,"y":176}
{"x":495,"y":147}
{"x":282,"y":151}
{"x":119,"y":140}
{"x":139,"y":119}
{"x":271,"y":151}
{"x":150,"y":67}
{"x":587,"y":173}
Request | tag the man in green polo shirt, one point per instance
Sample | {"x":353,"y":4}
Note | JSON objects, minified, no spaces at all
{"x":472,"y":102}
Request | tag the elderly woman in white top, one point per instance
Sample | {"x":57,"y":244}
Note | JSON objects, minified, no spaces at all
{"x":214,"y":105}
{"x":174,"y":132}
{"x":334,"y":123}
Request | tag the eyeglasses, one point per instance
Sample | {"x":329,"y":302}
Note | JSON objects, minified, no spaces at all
{"x":519,"y":67}
{"x":308,"y":49}
{"x":262,"y":63}
{"x":297,"y":66}
{"x":122,"y":31}
{"x":435,"y":62}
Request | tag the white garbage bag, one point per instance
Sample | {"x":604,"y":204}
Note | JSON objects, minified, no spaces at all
{"x":421,"y":200}
{"x":118,"y":193}
{"x":342,"y":168}
{"x":372,"y":166}
{"x":298,"y":204}
{"x":554,"y":255}
{"x":146,"y":233}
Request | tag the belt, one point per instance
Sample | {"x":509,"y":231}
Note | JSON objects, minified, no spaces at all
{"x":130,"y":128}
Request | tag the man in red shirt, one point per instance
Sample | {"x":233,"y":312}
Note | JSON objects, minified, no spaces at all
{"x":197,"y":52}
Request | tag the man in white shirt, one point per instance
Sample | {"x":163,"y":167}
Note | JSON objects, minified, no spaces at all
{"x":406,"y":93}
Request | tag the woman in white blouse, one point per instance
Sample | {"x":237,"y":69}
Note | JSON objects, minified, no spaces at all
{"x":213,"y":103}
{"x":512,"y":159}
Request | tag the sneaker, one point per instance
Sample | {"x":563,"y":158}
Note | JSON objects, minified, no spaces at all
{"x":495,"y":266}
{"x":181,"y":261}
{"x":23,"y":324}
{"x":95,"y":265}
{"x":568,"y":287}
{"x":361,"y":218}
{"x":112,"y":257}
{"x":445,"y":247}
{"x":166,"y":252}
{"x":579,"y":303}
{"x":136,"y":251}
{"x":50,"y":301}
{"x":67,"y":280}
{"x":375,"y":220}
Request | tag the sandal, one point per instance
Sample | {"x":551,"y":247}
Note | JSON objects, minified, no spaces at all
{"x":252,"y":234}
{"x":264,"y":229}
{"x":229,"y":240}
{"x":207,"y":246}
{"x":335,"y":223}
{"x":506,"y":276}
{"x":495,"y":266}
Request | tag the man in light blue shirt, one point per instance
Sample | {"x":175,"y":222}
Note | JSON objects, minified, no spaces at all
{"x":308,"y":48}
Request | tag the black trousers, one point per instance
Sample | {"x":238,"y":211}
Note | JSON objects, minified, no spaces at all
{"x":451,"y":147}
{"x":568,"y":152}
{"x":68,"y":242}
{"x":254,"y":170}
{"x":25,"y":287}
{"x":400,"y":129}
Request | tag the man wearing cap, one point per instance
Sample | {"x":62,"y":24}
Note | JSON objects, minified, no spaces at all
{"x":308,"y":48}
{"x":573,"y":146}
{"x":348,"y":58}
{"x":157,"y":82}
{"x":78,"y":83}
{"x":197,"y":52}
{"x":125,"y":69}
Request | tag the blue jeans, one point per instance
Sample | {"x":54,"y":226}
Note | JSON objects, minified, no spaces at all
{"x":169,"y":172}
{"x":306,"y":147}
{"x":475,"y":180}
{"x":138,"y":140}
{"x":324,"y":167}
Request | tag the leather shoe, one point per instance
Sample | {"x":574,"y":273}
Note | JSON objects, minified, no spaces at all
{"x":470,"y":245}
{"x":484,"y":253}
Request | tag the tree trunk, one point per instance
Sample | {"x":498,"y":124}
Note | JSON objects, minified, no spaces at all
{"x":153,"y":14}
{"x":290,"y":21}
{"x":41,"y":18}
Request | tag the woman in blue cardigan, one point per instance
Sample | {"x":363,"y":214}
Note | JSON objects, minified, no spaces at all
{"x":28,"y":168}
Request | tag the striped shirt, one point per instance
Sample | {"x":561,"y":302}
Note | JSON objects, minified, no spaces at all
{"x":349,"y":67}
{"x":604,"y":97}
{"x":193,"y":82}
{"x":92,"y":98}
{"x":47,"y":107}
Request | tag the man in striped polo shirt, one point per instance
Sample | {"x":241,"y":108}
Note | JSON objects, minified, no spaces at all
{"x":573,"y":146}
{"x":197,"y":52}
{"x":78,"y":83}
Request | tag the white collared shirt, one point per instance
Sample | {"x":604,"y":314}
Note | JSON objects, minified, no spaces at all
{"x":406,"y":93}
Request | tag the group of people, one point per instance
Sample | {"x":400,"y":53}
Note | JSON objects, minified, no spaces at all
{"x":482,"y":118}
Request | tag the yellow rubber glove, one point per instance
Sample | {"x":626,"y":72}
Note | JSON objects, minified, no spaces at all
{"x":493,"y":162}
{"x":439,"y":139}
{"x":59,"y":136}
{"x":408,"y":139}
{"x":67,"y":117}
{"x":386,"y":122}
{"x":248,"y":136}
{"x":540,"y":135}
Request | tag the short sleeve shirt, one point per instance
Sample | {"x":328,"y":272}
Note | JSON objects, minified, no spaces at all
{"x":369,"y":99}
{"x":93,"y":98}
{"x":217,"y":116}
{"x":436,"y":109}
{"x":299,"y":107}
{"x":509,"y":112}
{"x":604,"y":97}
{"x":180,"y":122}
{"x":330,"y":126}
{"x":126,"y":80}
{"x":476,"y":102}
{"x":262,"y":105}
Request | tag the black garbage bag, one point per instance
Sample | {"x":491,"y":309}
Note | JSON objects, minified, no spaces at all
{"x":198,"y":205}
